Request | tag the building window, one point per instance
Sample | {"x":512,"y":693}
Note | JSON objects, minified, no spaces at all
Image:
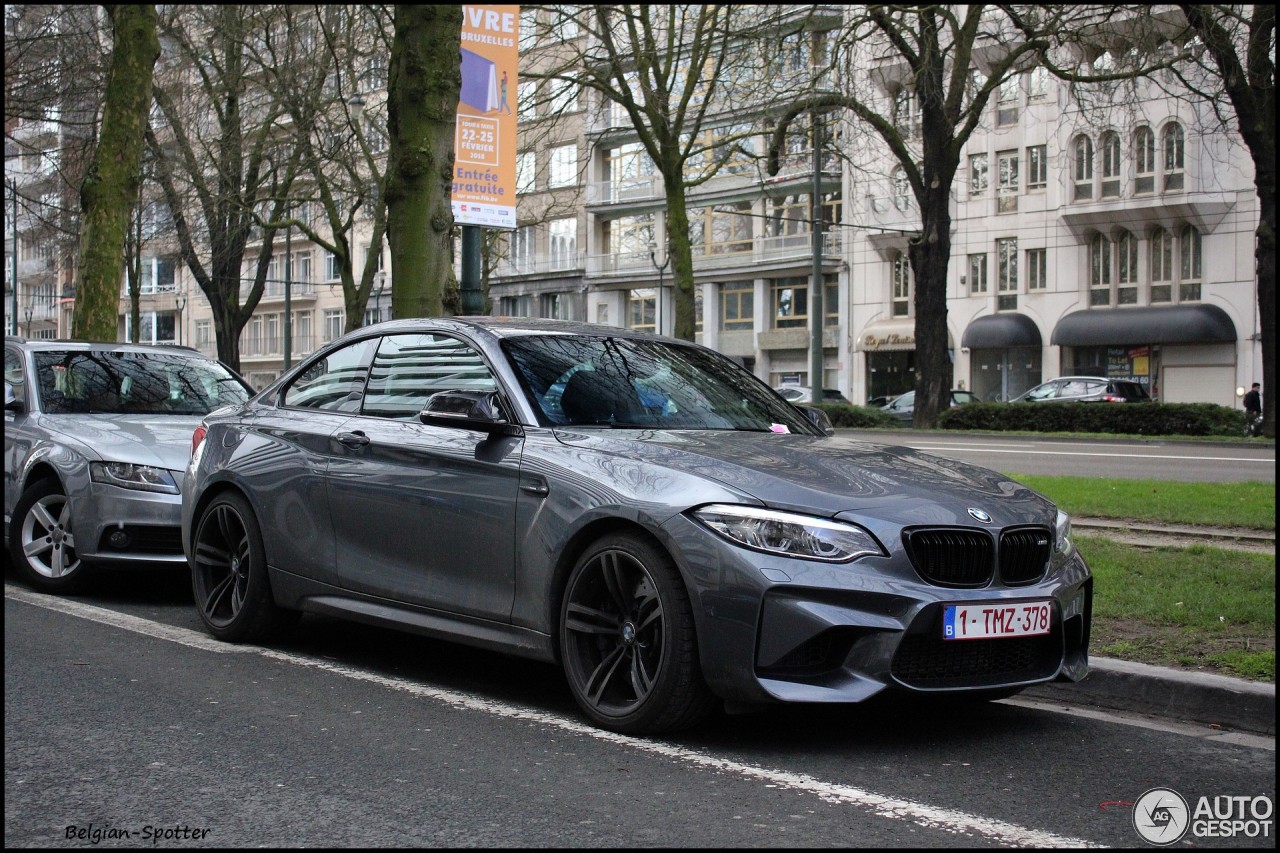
{"x":1173,"y":158}
{"x":790,"y":304}
{"x":331,"y":269}
{"x":1127,"y":272}
{"x":154,"y":327}
{"x":901,"y":189}
{"x":642,"y":309}
{"x":1037,"y":167}
{"x":906,"y":113}
{"x":1083,"y":152}
{"x":302,"y":266}
{"x":526,"y":172}
{"x":1007,"y":274}
{"x":1144,"y":161}
{"x":1037,"y":269}
{"x":515,"y":306}
{"x":901,"y":272}
{"x":978,"y":273}
{"x":978,"y":174}
{"x":629,"y":172}
{"x":563,"y":170}
{"x":1161,"y":265}
{"x":1099,"y":270}
{"x":1038,"y":83}
{"x":159,"y":275}
{"x":521,"y":259}
{"x":1110,"y":165}
{"x":559,"y":306}
{"x":1007,"y":103}
{"x":1189,"y":250}
{"x":629,"y":238}
{"x":204,"y":334}
{"x":527,"y":101}
{"x":564,"y":97}
{"x":737,"y":306}
{"x":721,"y":230}
{"x":564,"y":243}
{"x":334,"y":322}
{"x":1007,"y":182}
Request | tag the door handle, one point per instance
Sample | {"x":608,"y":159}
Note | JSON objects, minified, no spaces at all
{"x":355,"y":439}
{"x":535,"y":486}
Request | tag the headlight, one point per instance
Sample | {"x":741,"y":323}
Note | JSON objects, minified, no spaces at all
{"x":789,"y":534}
{"x":1062,"y":535}
{"x":127,"y":476}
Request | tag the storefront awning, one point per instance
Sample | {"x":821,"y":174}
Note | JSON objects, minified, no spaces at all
{"x":888,"y":336}
{"x":1175,"y":324}
{"x":1000,"y":331}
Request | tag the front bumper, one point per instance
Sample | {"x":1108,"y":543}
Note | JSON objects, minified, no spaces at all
{"x":119,"y":526}
{"x":773,"y":629}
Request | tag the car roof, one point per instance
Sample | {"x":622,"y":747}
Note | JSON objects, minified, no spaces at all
{"x":509,"y":327}
{"x":99,"y":346}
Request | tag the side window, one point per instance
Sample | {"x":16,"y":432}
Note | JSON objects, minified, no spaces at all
{"x":334,"y":383}
{"x":13,"y":373}
{"x":408,"y":369}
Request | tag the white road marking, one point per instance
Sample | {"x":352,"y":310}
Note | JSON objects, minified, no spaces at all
{"x":1244,"y":739}
{"x":921,"y":814}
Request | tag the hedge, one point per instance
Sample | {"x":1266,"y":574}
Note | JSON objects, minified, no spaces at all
{"x":1116,"y":418}
{"x":864,"y":417}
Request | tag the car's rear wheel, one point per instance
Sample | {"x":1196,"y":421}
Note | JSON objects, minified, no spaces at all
{"x":627,"y":639}
{"x":42,"y":542}
{"x":229,"y":574}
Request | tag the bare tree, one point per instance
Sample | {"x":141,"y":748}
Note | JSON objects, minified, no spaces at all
{"x":110,"y":189}
{"x":224,"y":167}
{"x":422,"y":98}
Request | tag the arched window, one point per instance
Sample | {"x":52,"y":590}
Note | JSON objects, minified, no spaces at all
{"x":1100,"y":270}
{"x":1083,"y":149}
{"x":1110,"y":165}
{"x":1189,"y":254}
{"x":1144,"y":161}
{"x":901,"y":285}
{"x":1173,"y":157}
{"x":1127,"y":269}
{"x":1161,"y":266}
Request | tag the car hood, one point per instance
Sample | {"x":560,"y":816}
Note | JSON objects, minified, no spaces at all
{"x":160,"y":440}
{"x":831,"y":475}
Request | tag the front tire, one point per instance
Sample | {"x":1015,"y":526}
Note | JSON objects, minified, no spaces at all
{"x":42,"y":543}
{"x":627,"y":639}
{"x":229,"y":574}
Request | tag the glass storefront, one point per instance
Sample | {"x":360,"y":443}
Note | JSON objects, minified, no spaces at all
{"x":1002,"y":374}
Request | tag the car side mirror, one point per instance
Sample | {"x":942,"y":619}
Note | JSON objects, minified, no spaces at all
{"x":818,"y":418}
{"x":475,"y":410}
{"x":12,"y":402}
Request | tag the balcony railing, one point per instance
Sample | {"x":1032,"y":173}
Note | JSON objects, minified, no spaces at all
{"x":542,"y":264}
{"x":762,"y":250}
{"x":275,"y":290}
{"x":273,"y":346}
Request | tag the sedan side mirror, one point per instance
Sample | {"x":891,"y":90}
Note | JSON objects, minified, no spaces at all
{"x":12,"y":403}
{"x":818,"y":418}
{"x":475,"y":410}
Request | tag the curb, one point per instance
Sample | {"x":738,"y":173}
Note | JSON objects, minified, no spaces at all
{"x":1196,"y":697}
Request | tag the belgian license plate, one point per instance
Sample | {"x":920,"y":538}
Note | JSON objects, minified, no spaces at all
{"x":990,"y":620}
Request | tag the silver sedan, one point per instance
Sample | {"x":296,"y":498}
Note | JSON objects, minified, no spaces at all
{"x":96,"y":439}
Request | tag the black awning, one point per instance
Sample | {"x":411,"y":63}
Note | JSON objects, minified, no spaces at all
{"x":1174,"y":324}
{"x":998,"y":331}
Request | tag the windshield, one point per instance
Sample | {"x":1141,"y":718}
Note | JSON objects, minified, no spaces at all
{"x":133,"y":383}
{"x":636,"y":383}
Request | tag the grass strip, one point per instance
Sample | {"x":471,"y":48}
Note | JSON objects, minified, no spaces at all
{"x":1199,"y":607}
{"x":1251,"y":505}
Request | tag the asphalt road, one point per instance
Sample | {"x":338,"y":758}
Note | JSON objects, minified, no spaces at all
{"x":1184,"y":461}
{"x":120,"y":715}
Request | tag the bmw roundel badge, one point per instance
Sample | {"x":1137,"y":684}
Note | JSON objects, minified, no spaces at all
{"x":980,"y":515}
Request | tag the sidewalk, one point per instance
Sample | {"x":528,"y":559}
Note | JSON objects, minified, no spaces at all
{"x":1194,"y":697}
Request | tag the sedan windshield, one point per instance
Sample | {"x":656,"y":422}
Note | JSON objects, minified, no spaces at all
{"x":133,"y":383}
{"x":637,"y":383}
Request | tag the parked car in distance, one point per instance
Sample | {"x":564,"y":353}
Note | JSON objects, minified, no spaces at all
{"x":96,"y":440}
{"x":904,"y":406}
{"x":804,"y":394}
{"x":640,"y":510}
{"x":1085,"y":389}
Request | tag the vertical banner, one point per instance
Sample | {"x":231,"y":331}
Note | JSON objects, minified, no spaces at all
{"x":484,"y":169}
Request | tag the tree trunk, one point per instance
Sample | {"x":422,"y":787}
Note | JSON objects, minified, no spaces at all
{"x":111,"y":183}
{"x":422,"y":103}
{"x":930,"y":255}
{"x":680,"y":250}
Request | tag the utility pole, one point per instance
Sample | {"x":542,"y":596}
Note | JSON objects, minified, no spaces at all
{"x":817,"y":379}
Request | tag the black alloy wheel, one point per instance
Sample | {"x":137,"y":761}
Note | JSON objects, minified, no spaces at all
{"x":229,"y":574}
{"x":627,"y":639}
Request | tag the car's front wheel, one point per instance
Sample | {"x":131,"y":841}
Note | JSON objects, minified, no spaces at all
{"x":42,"y":542}
{"x":627,"y":639}
{"x":229,"y":574}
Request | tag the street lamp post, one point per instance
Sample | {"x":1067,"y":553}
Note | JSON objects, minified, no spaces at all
{"x":661,"y":268}
{"x":288,"y":291}
{"x":13,"y":188}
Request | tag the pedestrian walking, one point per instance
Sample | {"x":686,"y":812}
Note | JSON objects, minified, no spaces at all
{"x":1253,"y":410}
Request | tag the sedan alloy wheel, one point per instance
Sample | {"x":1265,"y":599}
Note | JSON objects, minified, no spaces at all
{"x":44,"y":547}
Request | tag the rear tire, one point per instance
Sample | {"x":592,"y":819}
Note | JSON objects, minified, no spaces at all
{"x":42,"y":543}
{"x":229,"y":574}
{"x":627,"y":639}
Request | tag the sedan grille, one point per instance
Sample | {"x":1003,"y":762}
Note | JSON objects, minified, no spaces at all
{"x":1024,"y":555}
{"x":952,"y":557}
{"x":929,"y":662}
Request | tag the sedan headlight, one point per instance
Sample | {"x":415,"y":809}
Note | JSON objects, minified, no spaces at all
{"x":128,"y":476}
{"x":1062,"y":535}
{"x":789,"y":534}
